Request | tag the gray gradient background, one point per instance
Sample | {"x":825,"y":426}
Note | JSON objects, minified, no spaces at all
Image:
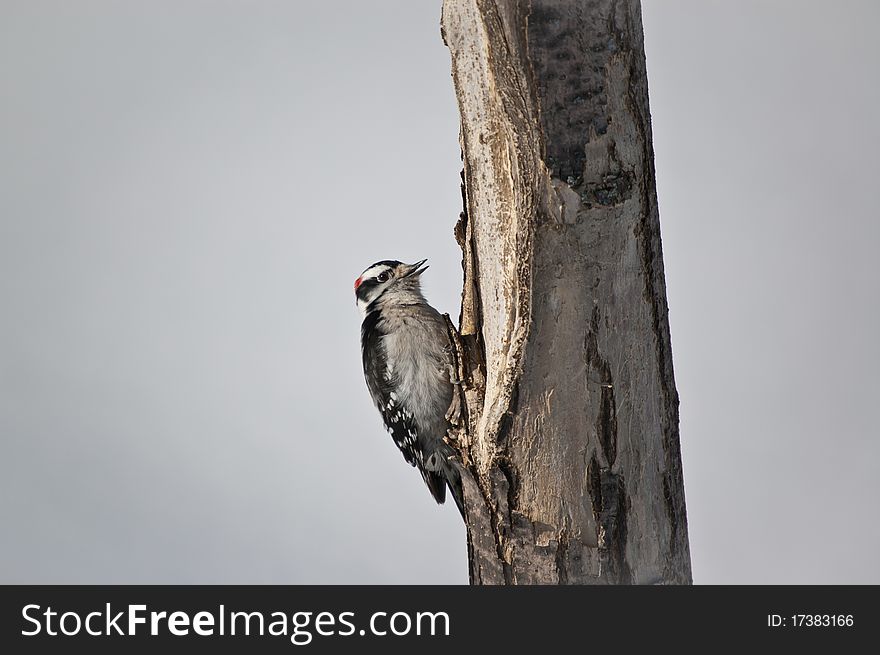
{"x":188,"y":190}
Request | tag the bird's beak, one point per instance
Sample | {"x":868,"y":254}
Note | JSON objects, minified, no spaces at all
{"x":414,"y":269}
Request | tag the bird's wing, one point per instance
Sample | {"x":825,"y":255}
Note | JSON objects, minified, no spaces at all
{"x":398,"y":419}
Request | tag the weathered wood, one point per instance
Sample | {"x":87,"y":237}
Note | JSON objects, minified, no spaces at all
{"x":570,"y":429}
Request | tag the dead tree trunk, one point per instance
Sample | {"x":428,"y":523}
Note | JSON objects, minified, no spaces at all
{"x":570,"y":429}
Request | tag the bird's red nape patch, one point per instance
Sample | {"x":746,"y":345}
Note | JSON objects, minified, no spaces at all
{"x":357,"y":283}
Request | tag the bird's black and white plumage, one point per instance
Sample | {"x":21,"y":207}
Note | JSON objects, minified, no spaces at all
{"x":405,"y":349}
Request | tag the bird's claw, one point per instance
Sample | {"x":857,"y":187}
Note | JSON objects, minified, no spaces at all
{"x":453,"y":414}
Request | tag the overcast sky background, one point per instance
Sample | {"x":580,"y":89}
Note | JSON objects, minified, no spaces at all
{"x":188,"y":190}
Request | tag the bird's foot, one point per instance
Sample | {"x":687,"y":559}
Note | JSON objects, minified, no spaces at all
{"x":453,"y":414}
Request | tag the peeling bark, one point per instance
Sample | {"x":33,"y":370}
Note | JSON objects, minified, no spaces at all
{"x":569,"y":430}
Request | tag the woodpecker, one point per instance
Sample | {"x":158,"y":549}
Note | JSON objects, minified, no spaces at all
{"x":405,"y":349}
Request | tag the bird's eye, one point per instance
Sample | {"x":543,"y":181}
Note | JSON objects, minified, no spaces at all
{"x":382,"y":277}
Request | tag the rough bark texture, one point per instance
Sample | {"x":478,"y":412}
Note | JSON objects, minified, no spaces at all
{"x":570,"y":429}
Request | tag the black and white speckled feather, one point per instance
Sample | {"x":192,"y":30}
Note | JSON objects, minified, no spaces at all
{"x":404,"y":345}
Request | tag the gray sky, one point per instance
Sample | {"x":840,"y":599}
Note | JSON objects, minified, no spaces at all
{"x":188,"y":190}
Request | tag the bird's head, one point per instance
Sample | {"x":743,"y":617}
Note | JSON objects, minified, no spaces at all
{"x":388,"y":279}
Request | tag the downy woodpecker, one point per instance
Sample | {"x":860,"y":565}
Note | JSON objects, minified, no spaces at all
{"x":405,"y":348}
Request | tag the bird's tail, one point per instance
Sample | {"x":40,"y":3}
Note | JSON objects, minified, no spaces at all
{"x":452,"y":472}
{"x":444,"y":472}
{"x":453,"y":480}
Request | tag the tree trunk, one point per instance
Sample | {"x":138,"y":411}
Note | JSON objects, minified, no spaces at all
{"x":569,"y":429}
